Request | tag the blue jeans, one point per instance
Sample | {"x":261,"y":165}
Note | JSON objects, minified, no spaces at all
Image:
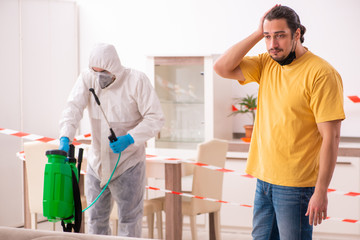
{"x":279,"y":212}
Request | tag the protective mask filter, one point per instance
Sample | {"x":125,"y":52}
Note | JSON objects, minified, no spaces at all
{"x":105,"y":79}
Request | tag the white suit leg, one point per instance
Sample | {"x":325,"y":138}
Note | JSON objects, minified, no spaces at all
{"x":99,"y":213}
{"x":128,"y":191}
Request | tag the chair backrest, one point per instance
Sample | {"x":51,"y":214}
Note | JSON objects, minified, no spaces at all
{"x":207,"y":182}
{"x":35,"y":166}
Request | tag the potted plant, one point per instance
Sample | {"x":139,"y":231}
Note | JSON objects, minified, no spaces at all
{"x":247,"y":105}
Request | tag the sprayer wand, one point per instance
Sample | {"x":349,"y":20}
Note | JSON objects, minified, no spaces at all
{"x":112,"y":136}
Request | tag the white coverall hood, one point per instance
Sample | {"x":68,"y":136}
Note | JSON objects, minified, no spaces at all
{"x":105,"y":56}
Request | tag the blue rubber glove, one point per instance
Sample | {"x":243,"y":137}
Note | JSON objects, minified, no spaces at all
{"x":121,"y":143}
{"x":64,"y":144}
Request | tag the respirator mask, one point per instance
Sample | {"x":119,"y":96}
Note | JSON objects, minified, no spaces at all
{"x":105,"y":79}
{"x":289,"y":59}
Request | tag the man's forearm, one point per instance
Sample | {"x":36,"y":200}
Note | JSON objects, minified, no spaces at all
{"x":330,"y":132}
{"x":328,"y":157}
{"x":228,"y":64}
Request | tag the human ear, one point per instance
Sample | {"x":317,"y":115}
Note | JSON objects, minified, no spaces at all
{"x":297,"y":34}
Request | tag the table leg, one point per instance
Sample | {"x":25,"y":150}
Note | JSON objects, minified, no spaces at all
{"x":173,"y":202}
{"x":27,"y":215}
{"x":212,"y":235}
{"x":82,"y":198}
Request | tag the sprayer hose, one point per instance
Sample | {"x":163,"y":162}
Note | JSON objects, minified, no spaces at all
{"x":105,"y":185}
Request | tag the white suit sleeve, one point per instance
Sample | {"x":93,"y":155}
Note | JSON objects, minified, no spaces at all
{"x":150,"y":109}
{"x":73,"y":112}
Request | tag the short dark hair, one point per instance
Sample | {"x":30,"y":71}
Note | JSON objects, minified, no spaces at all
{"x":291,"y":17}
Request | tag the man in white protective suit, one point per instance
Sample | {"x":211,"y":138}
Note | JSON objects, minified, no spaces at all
{"x":133,"y":110}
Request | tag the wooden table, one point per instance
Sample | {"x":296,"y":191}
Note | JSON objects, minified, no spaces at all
{"x":171,"y":169}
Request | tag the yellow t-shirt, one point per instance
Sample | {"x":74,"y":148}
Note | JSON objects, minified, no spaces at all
{"x":292,"y":99}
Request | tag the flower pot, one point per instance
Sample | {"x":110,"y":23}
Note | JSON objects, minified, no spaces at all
{"x":248,"y":130}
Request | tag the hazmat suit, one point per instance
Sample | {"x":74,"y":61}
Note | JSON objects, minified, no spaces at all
{"x":131,"y":107}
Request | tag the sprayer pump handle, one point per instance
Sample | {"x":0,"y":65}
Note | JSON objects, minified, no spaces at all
{"x":112,"y":136}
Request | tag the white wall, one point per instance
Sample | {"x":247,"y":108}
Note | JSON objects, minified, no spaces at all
{"x":38,"y":65}
{"x":10,"y":165}
{"x":195,"y":27}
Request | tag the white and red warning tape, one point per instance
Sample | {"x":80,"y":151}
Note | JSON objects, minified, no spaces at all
{"x":28,"y":136}
{"x":215,"y":168}
{"x":81,"y":137}
{"x":198,"y":197}
{"x":35,"y":137}
{"x":348,"y":194}
{"x":204,"y":165}
{"x":347,"y":220}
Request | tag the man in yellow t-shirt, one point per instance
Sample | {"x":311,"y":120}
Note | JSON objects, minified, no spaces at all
{"x":294,"y":146}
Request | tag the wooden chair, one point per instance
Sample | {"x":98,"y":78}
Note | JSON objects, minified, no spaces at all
{"x":35,"y":160}
{"x":206,"y":183}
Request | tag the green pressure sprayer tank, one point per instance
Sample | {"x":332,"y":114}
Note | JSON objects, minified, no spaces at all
{"x":58,"y":200}
{"x":61,"y":197}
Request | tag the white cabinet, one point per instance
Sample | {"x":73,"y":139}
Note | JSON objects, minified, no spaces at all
{"x":346,"y":178}
{"x":195,"y":101}
{"x":237,"y":189}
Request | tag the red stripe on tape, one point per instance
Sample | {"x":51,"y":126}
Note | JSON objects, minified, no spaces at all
{"x":45,"y":139}
{"x":355,"y":99}
{"x":224,"y":170}
{"x":350,"y":220}
{"x":199,"y":197}
{"x":247,"y":175}
{"x":200,"y":164}
{"x":241,"y":205}
{"x":20,"y":134}
{"x":76,"y":143}
{"x":87,"y":135}
{"x":244,"y":205}
{"x":352,"y":194}
{"x":172,"y":158}
{"x":331,"y":190}
{"x":148,"y":155}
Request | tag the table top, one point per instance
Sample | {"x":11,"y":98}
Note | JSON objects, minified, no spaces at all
{"x":169,"y":155}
